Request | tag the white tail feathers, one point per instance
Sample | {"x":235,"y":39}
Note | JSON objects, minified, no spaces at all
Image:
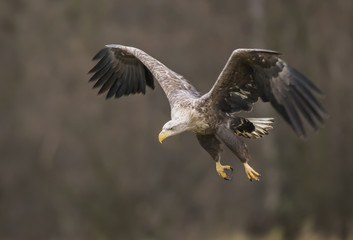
{"x":262,"y":125}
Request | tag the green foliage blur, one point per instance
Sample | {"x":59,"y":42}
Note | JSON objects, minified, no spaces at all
{"x":74,"y":166}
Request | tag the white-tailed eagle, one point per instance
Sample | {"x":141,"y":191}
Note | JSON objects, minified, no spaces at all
{"x":248,"y":75}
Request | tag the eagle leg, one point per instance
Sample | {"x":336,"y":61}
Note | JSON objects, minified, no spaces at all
{"x":239,"y":148}
{"x":251,"y":173}
{"x":221,"y":170}
{"x":213,"y":146}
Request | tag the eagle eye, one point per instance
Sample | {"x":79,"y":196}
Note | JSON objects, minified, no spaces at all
{"x":171,"y":128}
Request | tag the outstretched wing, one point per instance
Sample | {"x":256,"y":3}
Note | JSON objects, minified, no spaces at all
{"x":123,"y":70}
{"x":253,"y":73}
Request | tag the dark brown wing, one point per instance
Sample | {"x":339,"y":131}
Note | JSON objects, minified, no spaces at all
{"x":253,"y":73}
{"x":123,"y":70}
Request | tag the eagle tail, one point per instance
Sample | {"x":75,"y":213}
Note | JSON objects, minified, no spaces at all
{"x":253,"y":127}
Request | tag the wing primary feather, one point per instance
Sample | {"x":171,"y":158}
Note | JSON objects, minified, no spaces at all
{"x":116,"y":86}
{"x":101,"y":53}
{"x":316,"y":112}
{"x":303,"y":107}
{"x":138,"y":78}
{"x":104,"y":61}
{"x":100,"y":73}
{"x":282,"y":111}
{"x":142,"y":78}
{"x":122,"y":87}
{"x":127,"y":80}
{"x":135,"y":80}
{"x":149,"y":78}
{"x":104,"y":78}
{"x":308,"y":96}
{"x":109,"y":83}
{"x":295,"y":120}
{"x":299,"y":77}
{"x":112,"y":91}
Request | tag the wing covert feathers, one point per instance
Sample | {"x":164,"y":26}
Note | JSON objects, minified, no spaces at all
{"x":123,"y":70}
{"x":250,"y":74}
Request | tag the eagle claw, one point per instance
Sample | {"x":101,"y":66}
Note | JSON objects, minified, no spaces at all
{"x":221,"y":170}
{"x":251,"y":173}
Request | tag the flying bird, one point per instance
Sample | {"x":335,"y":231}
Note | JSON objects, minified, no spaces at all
{"x":248,"y":75}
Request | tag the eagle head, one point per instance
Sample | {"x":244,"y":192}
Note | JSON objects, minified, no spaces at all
{"x":171,"y":128}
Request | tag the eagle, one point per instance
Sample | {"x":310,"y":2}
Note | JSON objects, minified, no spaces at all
{"x":249,"y":75}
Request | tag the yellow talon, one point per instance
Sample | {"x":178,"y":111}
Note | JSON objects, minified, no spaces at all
{"x":221,"y":170}
{"x":251,"y":173}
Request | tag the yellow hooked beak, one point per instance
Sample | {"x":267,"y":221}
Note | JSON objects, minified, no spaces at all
{"x":164,"y":134}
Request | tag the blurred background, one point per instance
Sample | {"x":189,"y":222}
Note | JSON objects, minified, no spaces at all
{"x":75,"y":166}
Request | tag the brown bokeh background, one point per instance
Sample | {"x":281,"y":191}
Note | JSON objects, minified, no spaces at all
{"x":74,"y":166}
